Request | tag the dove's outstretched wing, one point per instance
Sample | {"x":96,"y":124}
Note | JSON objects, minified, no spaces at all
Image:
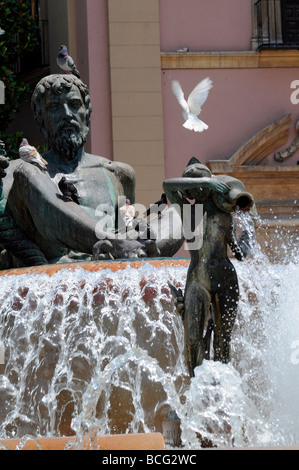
{"x":178,"y":92}
{"x":199,"y":95}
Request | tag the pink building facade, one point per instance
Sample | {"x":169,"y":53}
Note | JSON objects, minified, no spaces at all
{"x":251,"y":88}
{"x":128,"y":53}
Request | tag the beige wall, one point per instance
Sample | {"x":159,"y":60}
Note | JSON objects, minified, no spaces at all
{"x":136,"y":95}
{"x":133,"y":95}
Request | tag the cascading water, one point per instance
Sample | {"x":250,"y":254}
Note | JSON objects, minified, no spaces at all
{"x":93,"y":353}
{"x":62,"y":332}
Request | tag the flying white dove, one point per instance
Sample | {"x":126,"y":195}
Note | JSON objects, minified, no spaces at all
{"x":192,"y":107}
{"x":66,"y":63}
{"x":30,"y":155}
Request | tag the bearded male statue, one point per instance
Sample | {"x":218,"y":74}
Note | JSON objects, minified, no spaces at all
{"x":66,"y":231}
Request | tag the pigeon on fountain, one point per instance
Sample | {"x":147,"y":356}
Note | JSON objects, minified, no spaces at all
{"x":192,"y":107}
{"x":29,"y":154}
{"x":68,"y":190}
{"x":66,"y":63}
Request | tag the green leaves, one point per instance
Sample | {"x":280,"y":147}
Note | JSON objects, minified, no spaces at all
{"x":16,"y":93}
{"x":21,"y":30}
{"x":12,"y":143}
{"x":20,"y":38}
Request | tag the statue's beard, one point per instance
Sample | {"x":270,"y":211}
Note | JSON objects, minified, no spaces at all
{"x":68,"y":140}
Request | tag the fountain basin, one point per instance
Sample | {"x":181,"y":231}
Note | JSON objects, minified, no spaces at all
{"x":141,"y":441}
{"x":99,"y":346}
{"x":94,"y":266}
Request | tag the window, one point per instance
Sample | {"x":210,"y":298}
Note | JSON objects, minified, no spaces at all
{"x":290,"y":22}
{"x":275,"y":24}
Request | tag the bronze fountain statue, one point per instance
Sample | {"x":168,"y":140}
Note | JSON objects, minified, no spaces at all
{"x":39,"y":225}
{"x":210,"y":301}
{"x":63,"y":231}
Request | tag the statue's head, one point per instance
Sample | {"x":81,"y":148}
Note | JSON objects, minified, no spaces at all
{"x":195,"y":169}
{"x":62,"y":110}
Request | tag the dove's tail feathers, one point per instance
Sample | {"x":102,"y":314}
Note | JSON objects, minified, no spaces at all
{"x":36,"y":155}
{"x":41,"y":162}
{"x":195,"y":124}
{"x":42,"y":166}
{"x":75,"y":72}
{"x":75,"y":198}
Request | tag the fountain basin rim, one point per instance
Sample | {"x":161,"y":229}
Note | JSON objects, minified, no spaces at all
{"x":138,"y":441}
{"x":94,"y":266}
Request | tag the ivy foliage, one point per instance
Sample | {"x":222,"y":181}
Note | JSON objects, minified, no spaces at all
{"x":20,"y":37}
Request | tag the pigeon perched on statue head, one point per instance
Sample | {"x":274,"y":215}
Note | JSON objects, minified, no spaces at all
{"x":68,"y":190}
{"x":66,"y":63}
{"x":192,"y":107}
{"x":29,"y":154}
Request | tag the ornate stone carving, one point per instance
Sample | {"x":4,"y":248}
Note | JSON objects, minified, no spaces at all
{"x":283,"y":155}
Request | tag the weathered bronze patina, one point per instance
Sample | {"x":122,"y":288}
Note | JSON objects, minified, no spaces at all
{"x":211,"y":293}
{"x":61,"y":230}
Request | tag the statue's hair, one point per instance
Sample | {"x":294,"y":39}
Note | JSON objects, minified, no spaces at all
{"x":58,"y":83}
{"x":196,"y":170}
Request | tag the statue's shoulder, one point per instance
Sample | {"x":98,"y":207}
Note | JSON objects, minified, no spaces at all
{"x":127,"y":178}
{"x":123,"y":172}
{"x":121,"y":169}
{"x":116,"y":165}
{"x":124,"y":169}
{"x":113,"y":166}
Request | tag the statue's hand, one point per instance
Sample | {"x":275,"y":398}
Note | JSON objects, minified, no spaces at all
{"x":117,"y":249}
{"x":219,"y":187}
{"x":4,"y":161}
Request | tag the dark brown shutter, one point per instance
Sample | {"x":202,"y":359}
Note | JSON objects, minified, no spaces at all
{"x":290,"y":22}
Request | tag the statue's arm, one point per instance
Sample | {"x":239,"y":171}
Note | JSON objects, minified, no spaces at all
{"x":12,"y":237}
{"x":127,"y":177}
{"x":173,"y":192}
{"x":184,"y":184}
{"x":35,"y":202}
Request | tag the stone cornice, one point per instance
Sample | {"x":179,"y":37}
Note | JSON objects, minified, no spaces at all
{"x":278,"y":58}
